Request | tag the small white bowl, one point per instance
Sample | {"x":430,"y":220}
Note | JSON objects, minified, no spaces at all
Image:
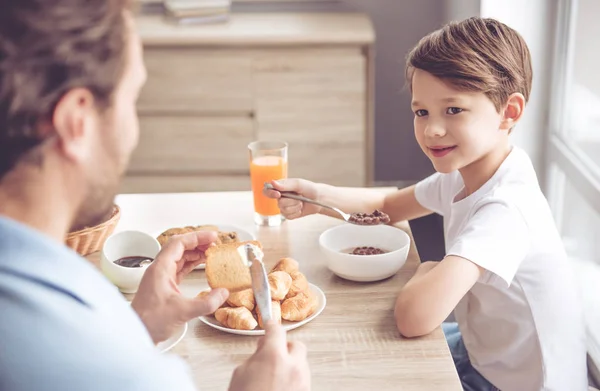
{"x":127,"y":244}
{"x":365,"y":268}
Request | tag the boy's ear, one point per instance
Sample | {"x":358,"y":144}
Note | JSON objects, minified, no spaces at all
{"x":513,"y":111}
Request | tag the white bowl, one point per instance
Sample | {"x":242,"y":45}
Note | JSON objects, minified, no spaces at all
{"x":127,"y":244}
{"x":364,"y":268}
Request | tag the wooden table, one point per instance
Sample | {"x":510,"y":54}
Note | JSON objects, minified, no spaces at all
{"x":353,"y":344}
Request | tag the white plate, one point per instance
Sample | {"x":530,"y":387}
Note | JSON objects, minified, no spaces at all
{"x":243,"y":235}
{"x":212,"y":322}
{"x":167,"y":345}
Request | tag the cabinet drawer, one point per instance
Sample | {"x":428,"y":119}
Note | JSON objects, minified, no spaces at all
{"x":193,"y":144}
{"x":311,"y":95}
{"x":315,"y":99}
{"x":183,"y":183}
{"x":196,"y":80}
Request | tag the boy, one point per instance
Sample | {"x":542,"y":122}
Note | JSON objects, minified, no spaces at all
{"x":505,"y":273}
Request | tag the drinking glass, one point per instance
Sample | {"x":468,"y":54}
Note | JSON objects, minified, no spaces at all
{"x":268,"y":161}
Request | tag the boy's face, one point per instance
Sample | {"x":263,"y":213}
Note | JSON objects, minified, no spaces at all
{"x":454,"y":128}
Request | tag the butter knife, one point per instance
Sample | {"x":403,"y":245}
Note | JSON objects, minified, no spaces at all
{"x":253,"y":256}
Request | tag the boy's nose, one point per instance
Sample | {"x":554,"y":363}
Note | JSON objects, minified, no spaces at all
{"x":434,"y":130}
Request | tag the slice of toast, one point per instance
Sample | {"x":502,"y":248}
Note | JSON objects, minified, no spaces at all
{"x":226,"y":269}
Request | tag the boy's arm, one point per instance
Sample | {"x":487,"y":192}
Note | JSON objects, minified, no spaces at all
{"x":400,"y":205}
{"x":433,"y":292}
{"x":492,"y":245}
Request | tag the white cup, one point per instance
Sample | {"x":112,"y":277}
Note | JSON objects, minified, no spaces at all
{"x":127,"y":244}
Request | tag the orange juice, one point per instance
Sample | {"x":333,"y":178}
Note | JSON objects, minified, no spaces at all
{"x":265,"y":169}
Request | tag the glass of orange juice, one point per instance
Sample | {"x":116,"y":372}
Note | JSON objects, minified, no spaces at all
{"x":268,"y":162}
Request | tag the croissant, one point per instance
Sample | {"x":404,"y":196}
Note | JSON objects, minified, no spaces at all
{"x":239,"y":318}
{"x":275,"y":310}
{"x":288,"y":265}
{"x":299,"y":284}
{"x":299,"y":307}
{"x":280,"y":283}
{"x":243,"y":298}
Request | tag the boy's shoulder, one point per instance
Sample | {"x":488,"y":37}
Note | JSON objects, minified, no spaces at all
{"x":514,"y":181}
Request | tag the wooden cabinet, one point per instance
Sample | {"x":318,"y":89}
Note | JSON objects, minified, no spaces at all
{"x":197,"y":80}
{"x":304,"y":79}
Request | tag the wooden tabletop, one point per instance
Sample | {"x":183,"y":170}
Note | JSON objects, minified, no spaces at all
{"x":264,"y":29}
{"x":353,"y":344}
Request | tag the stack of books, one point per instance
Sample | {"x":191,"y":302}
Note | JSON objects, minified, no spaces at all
{"x":197,"y":11}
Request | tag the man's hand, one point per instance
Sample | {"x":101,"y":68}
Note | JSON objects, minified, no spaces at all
{"x":277,"y":365}
{"x":158,"y":301}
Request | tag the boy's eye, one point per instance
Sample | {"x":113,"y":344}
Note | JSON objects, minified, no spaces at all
{"x":453,"y":110}
{"x":421,"y":113}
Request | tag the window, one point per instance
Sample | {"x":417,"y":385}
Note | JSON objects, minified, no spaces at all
{"x":580,"y":227}
{"x":574,"y":142}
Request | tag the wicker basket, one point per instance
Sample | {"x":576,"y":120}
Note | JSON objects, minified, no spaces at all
{"x":90,"y":240}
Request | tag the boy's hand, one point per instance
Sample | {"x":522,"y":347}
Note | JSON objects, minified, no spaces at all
{"x":293,"y":209}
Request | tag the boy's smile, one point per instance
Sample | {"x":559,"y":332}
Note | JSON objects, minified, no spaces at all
{"x":441,"y":151}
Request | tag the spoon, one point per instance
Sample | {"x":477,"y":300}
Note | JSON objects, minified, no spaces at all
{"x":352,"y":218}
{"x":134,"y":261}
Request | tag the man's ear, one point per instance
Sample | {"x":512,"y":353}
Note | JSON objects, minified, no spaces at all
{"x":513,"y":111}
{"x":74,"y":119}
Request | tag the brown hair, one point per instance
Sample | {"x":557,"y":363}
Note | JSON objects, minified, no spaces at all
{"x":476,"y":54}
{"x":48,"y":47}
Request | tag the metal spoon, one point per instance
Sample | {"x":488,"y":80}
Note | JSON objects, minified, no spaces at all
{"x":349,"y":218}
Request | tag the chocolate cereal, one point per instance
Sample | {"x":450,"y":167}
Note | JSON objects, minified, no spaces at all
{"x":364,"y":250}
{"x":375,"y":218}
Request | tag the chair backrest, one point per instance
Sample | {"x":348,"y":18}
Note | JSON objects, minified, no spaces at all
{"x":593,"y":373}
{"x":588,"y":274}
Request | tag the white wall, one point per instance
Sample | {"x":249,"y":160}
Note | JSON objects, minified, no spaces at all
{"x":584,"y":108}
{"x":587,"y":47}
{"x":457,"y":10}
{"x":535,"y":21}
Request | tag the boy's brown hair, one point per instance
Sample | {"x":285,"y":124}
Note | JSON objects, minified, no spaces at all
{"x":48,"y":47}
{"x":478,"y":55}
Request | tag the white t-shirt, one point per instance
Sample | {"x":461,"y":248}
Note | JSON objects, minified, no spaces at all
{"x":522,"y":322}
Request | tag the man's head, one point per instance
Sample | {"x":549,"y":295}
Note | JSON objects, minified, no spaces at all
{"x":70,"y":73}
{"x":470,"y":82}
